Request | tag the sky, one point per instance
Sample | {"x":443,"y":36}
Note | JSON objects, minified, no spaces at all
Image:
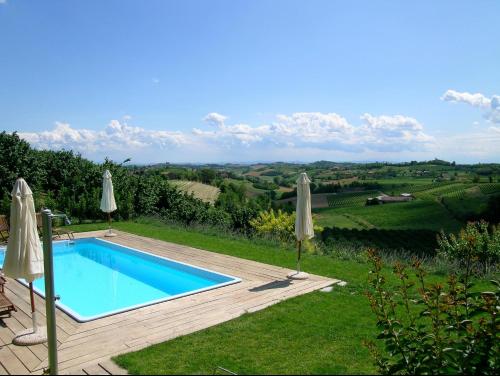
{"x":247,"y":81}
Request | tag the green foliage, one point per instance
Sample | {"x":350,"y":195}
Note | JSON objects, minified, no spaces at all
{"x":265,"y":185}
{"x":64,"y":181}
{"x":431,"y":328}
{"x":207,"y":175}
{"x":279,"y":224}
{"x":475,"y":247}
{"x":492,"y":212}
{"x":17,"y":160}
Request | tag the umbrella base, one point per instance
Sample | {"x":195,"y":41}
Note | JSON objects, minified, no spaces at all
{"x":109,"y":234}
{"x":298,"y":275}
{"x":29,"y":337}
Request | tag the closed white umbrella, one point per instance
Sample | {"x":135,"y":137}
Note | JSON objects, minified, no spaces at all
{"x":24,"y":255}
{"x":303,"y":222}
{"x":108,"y":204}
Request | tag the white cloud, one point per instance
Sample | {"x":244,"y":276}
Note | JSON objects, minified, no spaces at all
{"x":392,"y":133}
{"x":472,"y":146}
{"x":117,"y":136}
{"x":215,"y":119}
{"x":312,"y":127}
{"x":491,"y":106}
{"x":155,"y":81}
{"x":297,"y":136}
{"x":476,"y":100}
{"x":322,"y":130}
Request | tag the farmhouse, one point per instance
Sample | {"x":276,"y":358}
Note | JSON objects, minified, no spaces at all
{"x":384,"y":199}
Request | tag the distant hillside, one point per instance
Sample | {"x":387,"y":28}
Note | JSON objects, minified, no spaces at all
{"x":202,"y":191}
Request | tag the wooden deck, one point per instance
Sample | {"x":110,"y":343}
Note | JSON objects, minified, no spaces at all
{"x":86,"y":348}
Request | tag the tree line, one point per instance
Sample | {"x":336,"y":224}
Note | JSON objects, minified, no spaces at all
{"x":67,"y":182}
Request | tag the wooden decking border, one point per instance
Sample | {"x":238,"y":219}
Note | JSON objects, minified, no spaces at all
{"x":86,"y":348}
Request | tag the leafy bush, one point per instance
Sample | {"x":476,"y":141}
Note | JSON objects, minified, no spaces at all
{"x":475,"y":248}
{"x":265,"y":185}
{"x":434,"y":329}
{"x":64,"y":181}
{"x":279,"y":224}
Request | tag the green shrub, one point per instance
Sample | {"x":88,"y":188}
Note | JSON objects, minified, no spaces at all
{"x":476,"y":247}
{"x":64,"y":181}
{"x":279,"y":224}
{"x":433,"y":329}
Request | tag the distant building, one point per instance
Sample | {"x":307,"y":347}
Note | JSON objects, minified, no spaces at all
{"x":403,"y":197}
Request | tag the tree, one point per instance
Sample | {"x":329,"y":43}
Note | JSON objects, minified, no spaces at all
{"x":207,"y":175}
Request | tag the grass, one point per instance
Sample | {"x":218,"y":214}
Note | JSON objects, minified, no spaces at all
{"x":287,"y":338}
{"x":315,"y":333}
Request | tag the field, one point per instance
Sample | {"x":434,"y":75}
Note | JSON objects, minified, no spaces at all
{"x":469,"y":204}
{"x":417,"y":214}
{"x":351,"y":199}
{"x":328,"y":218}
{"x":251,"y":191}
{"x":446,"y":195}
{"x":320,"y":200}
{"x":202,"y":191}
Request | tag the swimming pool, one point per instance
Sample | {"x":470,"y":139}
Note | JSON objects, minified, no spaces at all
{"x":96,"y":278}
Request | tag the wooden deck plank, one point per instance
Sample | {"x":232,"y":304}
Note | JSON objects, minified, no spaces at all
{"x":95,"y":370}
{"x":25,"y":355}
{"x":11,"y":363}
{"x":86,"y":348}
{"x":3,"y":371}
{"x":112,"y":368}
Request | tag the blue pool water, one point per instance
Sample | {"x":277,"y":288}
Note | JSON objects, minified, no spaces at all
{"x":96,"y":278}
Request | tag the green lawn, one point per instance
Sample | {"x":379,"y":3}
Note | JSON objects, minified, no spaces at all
{"x":317,"y":333}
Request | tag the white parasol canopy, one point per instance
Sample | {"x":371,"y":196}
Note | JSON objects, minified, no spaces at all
{"x":303,"y":221}
{"x":24,"y":255}
{"x":108,"y":203}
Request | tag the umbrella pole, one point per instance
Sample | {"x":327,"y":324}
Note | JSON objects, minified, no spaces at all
{"x":33,"y":313}
{"x":298,"y":256}
{"x":50,"y":298}
{"x":109,"y":221}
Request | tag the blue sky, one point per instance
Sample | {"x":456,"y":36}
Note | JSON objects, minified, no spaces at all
{"x":232,"y":81}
